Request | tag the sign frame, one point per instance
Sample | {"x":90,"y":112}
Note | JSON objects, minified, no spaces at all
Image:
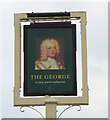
{"x":41,"y":101}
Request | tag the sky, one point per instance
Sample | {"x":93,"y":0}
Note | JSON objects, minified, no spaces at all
{"x":97,"y":56}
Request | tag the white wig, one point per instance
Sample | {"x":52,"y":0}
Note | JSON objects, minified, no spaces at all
{"x":43,"y":50}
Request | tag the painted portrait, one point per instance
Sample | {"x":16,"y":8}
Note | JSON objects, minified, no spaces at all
{"x":49,"y":52}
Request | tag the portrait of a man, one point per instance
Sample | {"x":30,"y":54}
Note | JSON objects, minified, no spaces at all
{"x":49,"y":51}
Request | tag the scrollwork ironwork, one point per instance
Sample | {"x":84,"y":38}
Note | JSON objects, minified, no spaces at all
{"x":21,"y":109}
{"x":32,"y":109}
{"x":67,"y":109}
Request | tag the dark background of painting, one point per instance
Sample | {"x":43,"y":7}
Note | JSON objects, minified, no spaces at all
{"x":50,"y":30}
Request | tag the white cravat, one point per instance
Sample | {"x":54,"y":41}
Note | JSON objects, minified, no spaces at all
{"x":53,"y":63}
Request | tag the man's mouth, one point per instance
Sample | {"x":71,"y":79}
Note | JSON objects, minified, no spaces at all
{"x":52,"y":53}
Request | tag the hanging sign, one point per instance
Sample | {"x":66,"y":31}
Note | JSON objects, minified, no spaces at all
{"x":50,"y":59}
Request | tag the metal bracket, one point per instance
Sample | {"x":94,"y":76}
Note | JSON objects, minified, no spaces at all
{"x":32,"y":109}
{"x":67,"y":109}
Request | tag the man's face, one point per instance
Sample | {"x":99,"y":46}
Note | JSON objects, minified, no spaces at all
{"x":51,"y":50}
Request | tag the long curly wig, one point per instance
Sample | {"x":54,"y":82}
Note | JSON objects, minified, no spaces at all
{"x":44,"y":44}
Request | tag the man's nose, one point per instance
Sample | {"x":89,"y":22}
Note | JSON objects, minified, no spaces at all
{"x":52,"y":49}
